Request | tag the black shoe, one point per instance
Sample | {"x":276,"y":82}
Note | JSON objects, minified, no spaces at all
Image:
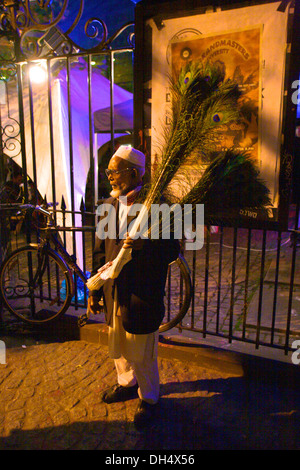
{"x":119,"y":393}
{"x":144,"y":414}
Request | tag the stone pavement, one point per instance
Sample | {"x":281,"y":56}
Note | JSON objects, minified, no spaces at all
{"x":50,"y":399}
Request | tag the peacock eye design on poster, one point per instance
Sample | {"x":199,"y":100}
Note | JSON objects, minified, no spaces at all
{"x":237,"y":53}
{"x":252,"y":47}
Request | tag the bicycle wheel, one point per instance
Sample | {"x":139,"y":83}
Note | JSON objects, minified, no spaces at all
{"x":179,"y":290}
{"x":31,"y":281}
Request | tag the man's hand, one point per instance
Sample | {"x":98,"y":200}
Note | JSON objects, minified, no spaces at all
{"x":93,"y":305}
{"x":134,"y":244}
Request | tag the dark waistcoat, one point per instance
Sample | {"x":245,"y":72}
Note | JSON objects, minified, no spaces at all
{"x":141,"y":283}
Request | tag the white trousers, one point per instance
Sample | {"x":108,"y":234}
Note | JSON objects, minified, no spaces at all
{"x":135,"y":358}
{"x":145,"y":374}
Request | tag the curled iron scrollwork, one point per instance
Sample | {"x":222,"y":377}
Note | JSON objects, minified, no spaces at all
{"x":10,"y":127}
{"x":17,"y":291}
{"x":37,"y":32}
{"x":10,"y":138}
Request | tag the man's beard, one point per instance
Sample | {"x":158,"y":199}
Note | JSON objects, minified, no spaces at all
{"x":116,"y":193}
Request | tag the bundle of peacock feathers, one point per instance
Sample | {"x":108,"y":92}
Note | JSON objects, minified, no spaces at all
{"x":202,"y":103}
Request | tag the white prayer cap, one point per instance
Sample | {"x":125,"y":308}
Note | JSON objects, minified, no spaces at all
{"x":132,"y":155}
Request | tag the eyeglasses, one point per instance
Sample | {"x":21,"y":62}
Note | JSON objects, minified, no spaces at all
{"x":115,"y":172}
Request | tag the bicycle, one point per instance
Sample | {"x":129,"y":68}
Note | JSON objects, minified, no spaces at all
{"x":31,"y":277}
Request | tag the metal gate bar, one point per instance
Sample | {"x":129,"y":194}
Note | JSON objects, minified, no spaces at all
{"x":288,"y":325}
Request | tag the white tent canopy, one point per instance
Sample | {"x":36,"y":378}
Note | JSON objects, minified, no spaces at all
{"x":71,"y":131}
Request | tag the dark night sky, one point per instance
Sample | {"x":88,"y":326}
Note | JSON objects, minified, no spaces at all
{"x":114,"y":13}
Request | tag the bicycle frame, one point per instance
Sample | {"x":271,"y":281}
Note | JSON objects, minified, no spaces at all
{"x":70,"y":269}
{"x":64,"y":255}
{"x":50,"y":235}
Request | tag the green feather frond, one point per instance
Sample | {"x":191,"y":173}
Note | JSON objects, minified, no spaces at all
{"x":205,"y":97}
{"x":197,"y":78}
{"x":196,"y":82}
{"x":201,"y":105}
{"x":223,"y":101}
{"x":231,"y":181}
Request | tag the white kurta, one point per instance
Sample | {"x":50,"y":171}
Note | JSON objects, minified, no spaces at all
{"x":133,"y":347}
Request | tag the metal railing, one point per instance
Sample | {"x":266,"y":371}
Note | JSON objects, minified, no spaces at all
{"x":246,"y":286}
{"x":246,"y":283}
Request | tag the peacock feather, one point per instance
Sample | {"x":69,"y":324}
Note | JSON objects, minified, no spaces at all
{"x":231,"y":181}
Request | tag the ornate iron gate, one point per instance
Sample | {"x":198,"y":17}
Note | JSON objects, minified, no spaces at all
{"x":65,"y":107}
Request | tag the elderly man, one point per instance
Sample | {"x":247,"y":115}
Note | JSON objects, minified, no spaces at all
{"x":134,"y":300}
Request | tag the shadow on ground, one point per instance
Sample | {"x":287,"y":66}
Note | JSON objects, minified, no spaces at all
{"x":205,"y":414}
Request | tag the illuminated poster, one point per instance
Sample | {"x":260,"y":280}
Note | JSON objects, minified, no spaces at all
{"x":250,"y":43}
{"x":238,"y":55}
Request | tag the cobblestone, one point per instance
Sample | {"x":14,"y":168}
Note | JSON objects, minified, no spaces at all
{"x":50,"y":400}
